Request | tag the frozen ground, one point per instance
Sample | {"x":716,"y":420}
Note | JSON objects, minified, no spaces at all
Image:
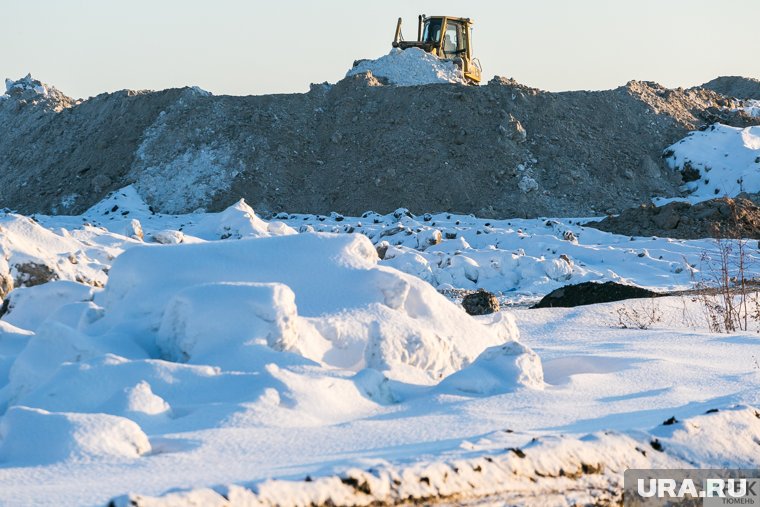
{"x":224,"y":349}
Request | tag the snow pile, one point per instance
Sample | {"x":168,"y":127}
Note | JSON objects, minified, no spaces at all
{"x":31,"y":255}
{"x":237,"y":222}
{"x":253,"y":325}
{"x":80,"y":249}
{"x":720,"y":161}
{"x":486,"y":375}
{"x":321,"y":297}
{"x":37,"y":437}
{"x":301,"y":329}
{"x":29,"y":307}
{"x":118,"y":210}
{"x":410,"y":67}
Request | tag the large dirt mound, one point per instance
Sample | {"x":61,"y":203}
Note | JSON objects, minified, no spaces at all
{"x":716,"y":218}
{"x":502,"y":149}
{"x":735,"y":86}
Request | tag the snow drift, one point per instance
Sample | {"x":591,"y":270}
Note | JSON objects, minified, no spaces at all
{"x":35,"y":437}
{"x":323,"y":297}
{"x":253,"y":325}
{"x":31,"y":255}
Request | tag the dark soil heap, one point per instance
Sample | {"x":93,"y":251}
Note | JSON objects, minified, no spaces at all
{"x":716,"y":218}
{"x":589,"y":293}
{"x":497,"y":150}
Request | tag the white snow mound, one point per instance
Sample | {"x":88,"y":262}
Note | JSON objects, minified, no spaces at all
{"x":727,"y":158}
{"x":214,"y":319}
{"x":321,"y":296}
{"x":410,"y":67}
{"x":29,"y":435}
{"x":486,"y":375}
{"x":31,"y":254}
{"x":29,"y":307}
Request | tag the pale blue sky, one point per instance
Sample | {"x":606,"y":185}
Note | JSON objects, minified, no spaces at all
{"x":85,"y":47}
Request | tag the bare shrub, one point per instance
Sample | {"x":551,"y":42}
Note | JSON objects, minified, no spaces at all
{"x":639,"y":314}
{"x":725,"y":292}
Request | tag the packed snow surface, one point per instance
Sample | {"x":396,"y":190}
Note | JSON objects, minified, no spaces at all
{"x":727,"y":160}
{"x":410,"y":67}
{"x":186,"y":357}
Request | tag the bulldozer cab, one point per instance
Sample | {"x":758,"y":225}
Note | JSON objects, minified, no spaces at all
{"x":448,"y":38}
{"x":452,"y":41}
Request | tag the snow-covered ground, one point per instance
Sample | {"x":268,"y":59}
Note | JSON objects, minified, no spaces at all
{"x":727,"y":160}
{"x":207,"y":350}
{"x":518,"y":259}
{"x":410,"y":67}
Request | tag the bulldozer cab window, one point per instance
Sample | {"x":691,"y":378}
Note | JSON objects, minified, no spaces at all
{"x":432,"y":32}
{"x":453,"y":42}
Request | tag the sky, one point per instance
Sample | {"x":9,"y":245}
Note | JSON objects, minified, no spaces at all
{"x":238,"y":47}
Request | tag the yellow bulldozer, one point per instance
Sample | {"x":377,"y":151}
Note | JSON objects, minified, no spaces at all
{"x":446,"y":37}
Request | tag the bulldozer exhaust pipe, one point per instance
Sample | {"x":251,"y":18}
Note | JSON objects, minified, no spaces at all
{"x":419,"y":27}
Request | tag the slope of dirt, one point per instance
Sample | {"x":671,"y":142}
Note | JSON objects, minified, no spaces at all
{"x":716,"y":218}
{"x":735,"y":86}
{"x":497,"y":150}
{"x":59,"y":155}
